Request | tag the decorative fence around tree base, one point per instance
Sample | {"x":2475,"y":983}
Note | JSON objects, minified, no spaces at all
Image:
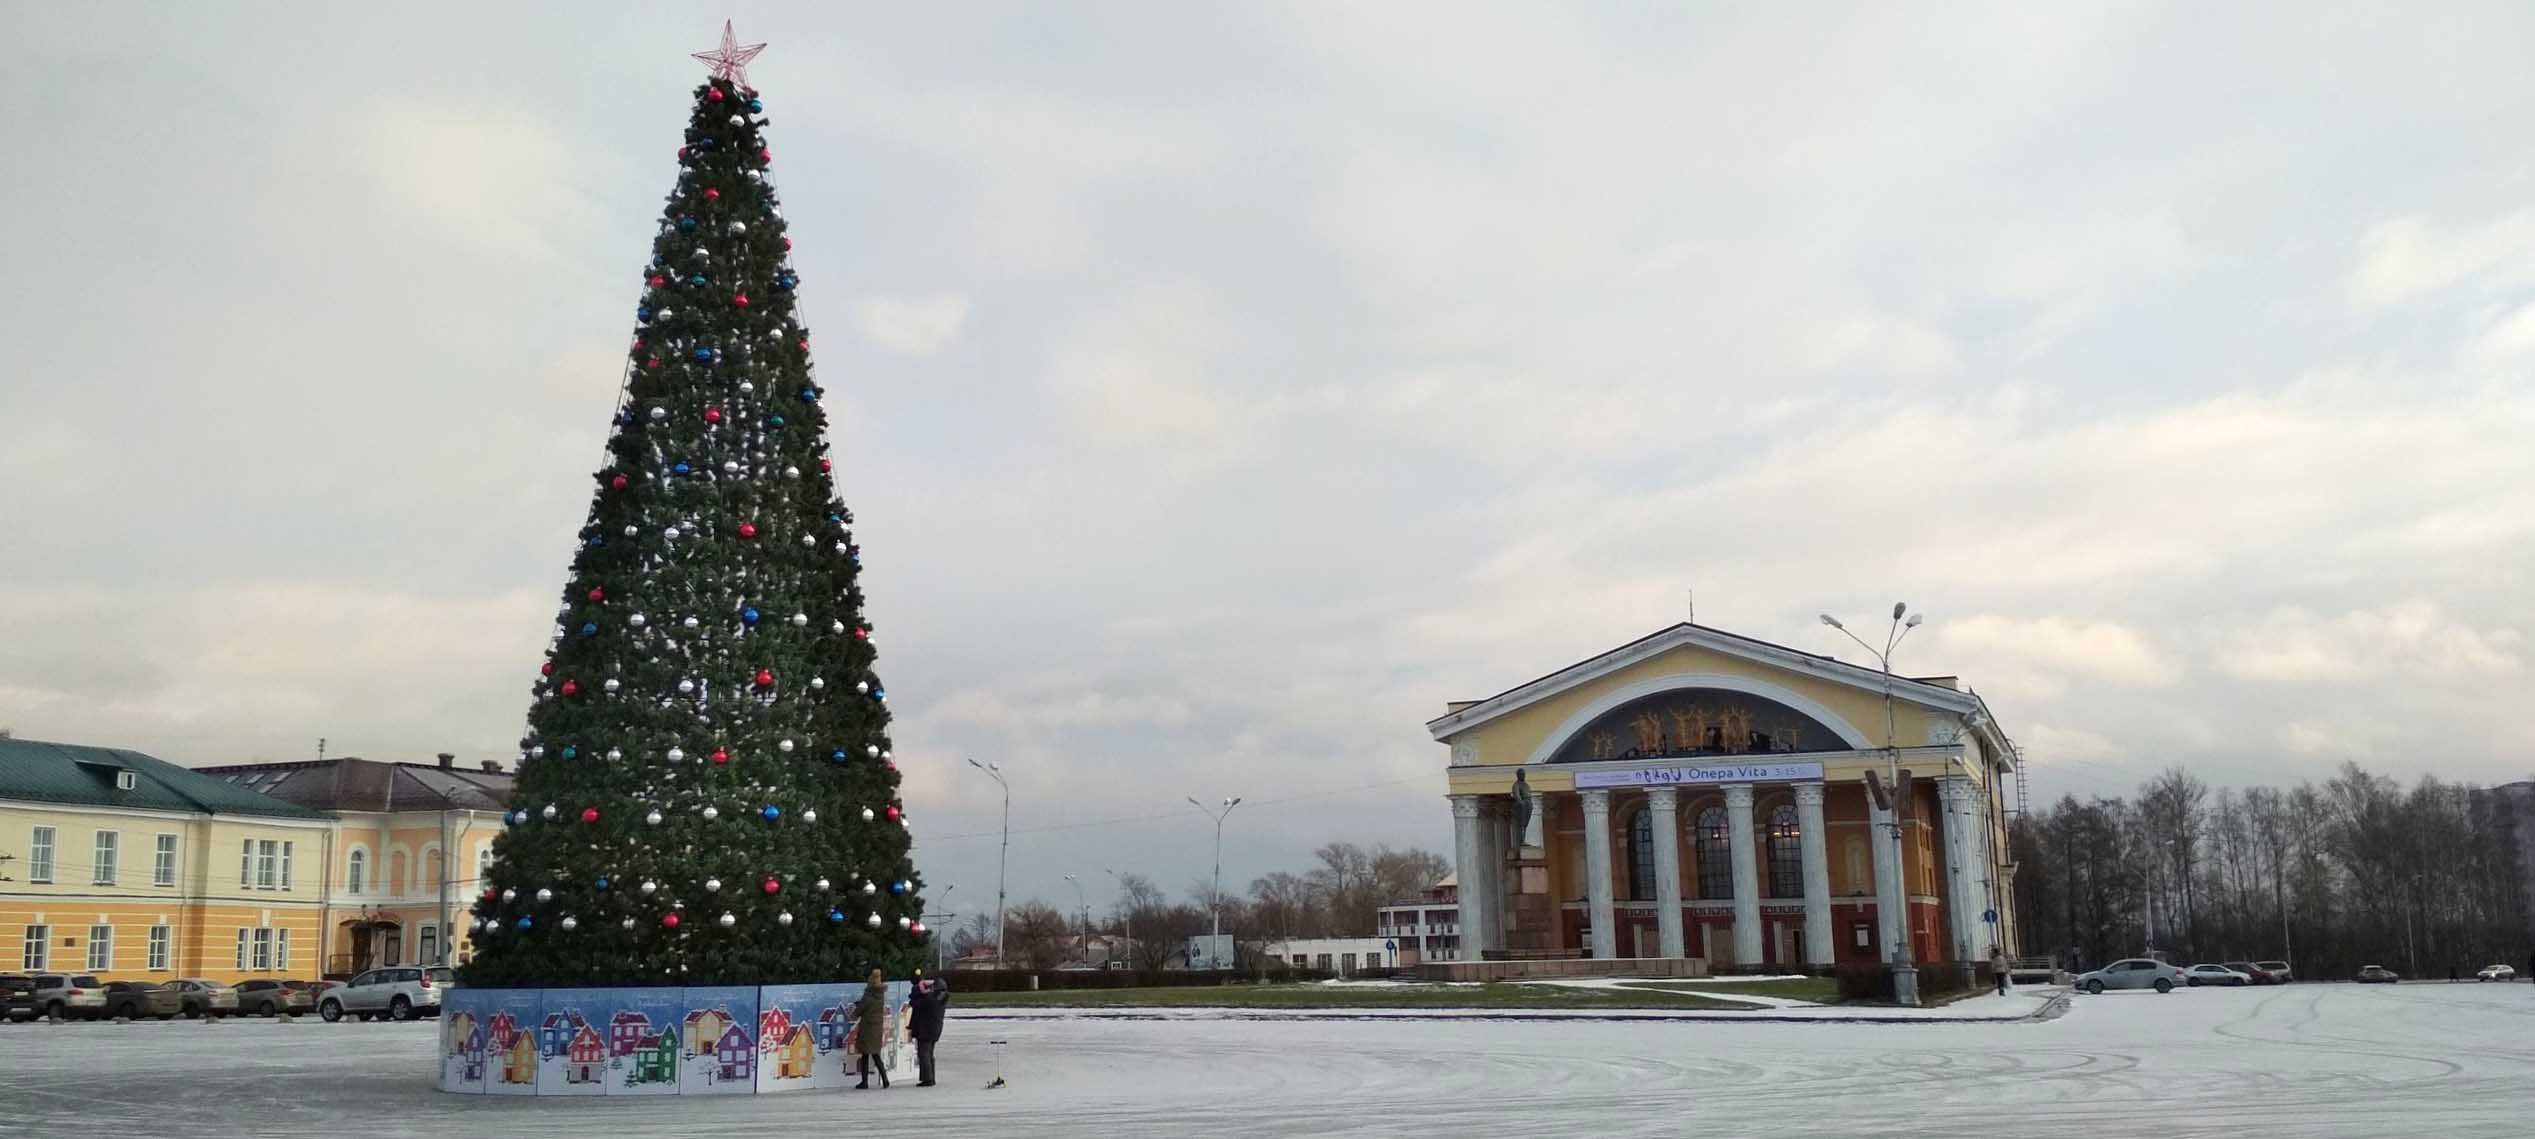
{"x":637,"y":1041}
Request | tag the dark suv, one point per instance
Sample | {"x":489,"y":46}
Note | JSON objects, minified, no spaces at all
{"x":17,"y":997}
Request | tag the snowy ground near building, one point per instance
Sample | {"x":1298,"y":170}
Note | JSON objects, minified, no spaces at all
{"x":2305,"y":1060}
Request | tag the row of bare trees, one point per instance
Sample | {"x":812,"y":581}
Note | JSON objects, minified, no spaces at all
{"x":2356,"y":870}
{"x":1337,"y":897}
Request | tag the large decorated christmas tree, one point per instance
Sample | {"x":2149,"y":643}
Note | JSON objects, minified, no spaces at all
{"x":706,"y":793}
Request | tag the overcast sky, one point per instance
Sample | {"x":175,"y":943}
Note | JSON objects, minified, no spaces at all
{"x":1220,"y":391}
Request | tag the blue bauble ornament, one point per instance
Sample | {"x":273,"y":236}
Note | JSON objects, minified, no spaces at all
{"x":587,"y":630}
{"x":838,"y":755}
{"x":787,"y":281}
{"x":897,"y":887}
{"x":643,"y":313}
{"x":597,"y":540}
{"x":776,"y":421}
{"x":657,"y":261}
{"x":748,"y":615}
{"x":526,"y":921}
{"x":771,"y":812}
{"x":835,"y":917}
{"x":755,"y":105}
{"x":686,"y":224}
{"x":703,"y":353}
{"x":698,"y":280}
{"x":809,"y":395}
{"x":680,"y":468}
{"x":571,"y":752}
{"x":878,"y":694}
{"x":602,"y":883}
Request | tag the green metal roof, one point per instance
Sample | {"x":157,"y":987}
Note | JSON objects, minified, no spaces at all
{"x":40,"y":772}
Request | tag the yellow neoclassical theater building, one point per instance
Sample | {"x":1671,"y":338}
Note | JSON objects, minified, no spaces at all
{"x":1695,"y":794}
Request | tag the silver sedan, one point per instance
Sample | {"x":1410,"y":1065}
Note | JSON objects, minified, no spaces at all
{"x":2134,"y":973}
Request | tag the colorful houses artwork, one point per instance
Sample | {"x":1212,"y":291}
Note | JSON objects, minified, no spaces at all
{"x":655,"y":1059}
{"x":584,"y":1057}
{"x":705,"y":1028}
{"x":792,"y":1057}
{"x":626,"y":1033}
{"x":519,"y":1061}
{"x":454,"y":1030}
{"x":471,"y":1056}
{"x":835,"y":1029}
{"x":735,"y":1054}
{"x":504,"y":1029}
{"x":772,"y":1026}
{"x":558,"y":1031}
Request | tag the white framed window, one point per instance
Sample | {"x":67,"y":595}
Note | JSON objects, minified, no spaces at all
{"x":268,"y":857}
{"x":158,"y":948}
{"x":430,"y":944}
{"x":107,"y":842}
{"x":246,"y":869}
{"x":264,"y":950}
{"x":100,"y":948}
{"x":39,"y":857}
{"x":39,"y":941}
{"x":355,"y":870}
{"x":242,"y":950}
{"x":286,"y":865}
{"x":281,"y":950}
{"x":163,"y":866}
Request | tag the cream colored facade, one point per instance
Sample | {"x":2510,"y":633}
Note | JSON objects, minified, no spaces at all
{"x":1696,"y":794}
{"x":182,"y":894}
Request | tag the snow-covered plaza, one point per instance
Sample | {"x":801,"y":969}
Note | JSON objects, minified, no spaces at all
{"x":2306,"y":1060}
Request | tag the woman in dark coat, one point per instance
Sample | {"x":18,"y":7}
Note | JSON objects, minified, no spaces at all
{"x":924,"y":1022}
{"x":871,"y":1030}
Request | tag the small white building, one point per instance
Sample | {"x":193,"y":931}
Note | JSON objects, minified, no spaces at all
{"x":1344,"y":956}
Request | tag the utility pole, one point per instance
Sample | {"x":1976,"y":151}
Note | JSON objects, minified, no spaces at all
{"x":1002,"y":855}
{"x":1214,"y":944}
{"x":1905,"y":971}
{"x":1126,"y":914}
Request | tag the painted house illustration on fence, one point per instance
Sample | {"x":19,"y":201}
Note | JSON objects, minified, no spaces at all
{"x":503,"y":1031}
{"x":585,"y":1057}
{"x":454,"y":1030}
{"x":772,"y":1026}
{"x":471,"y":1056}
{"x":519,"y":1061}
{"x":656,"y":1060}
{"x":626,"y":1033}
{"x":704,"y":1028}
{"x":736,"y":1055}
{"x":559,"y":1029}
{"x":792,"y":1059}
{"x":836,"y":1029}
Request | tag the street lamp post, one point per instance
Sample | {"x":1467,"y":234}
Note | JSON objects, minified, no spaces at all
{"x":1084,"y":909}
{"x":996,"y":773}
{"x":1905,"y":971}
{"x":1214,"y":944}
{"x":943,"y":923}
{"x":1126,"y":913}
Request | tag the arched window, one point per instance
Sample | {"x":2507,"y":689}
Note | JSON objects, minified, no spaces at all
{"x":432,"y":869}
{"x":1716,"y":856}
{"x":395,"y":883}
{"x":357,"y":872}
{"x":1641,"y":856}
{"x":1786,"y":854}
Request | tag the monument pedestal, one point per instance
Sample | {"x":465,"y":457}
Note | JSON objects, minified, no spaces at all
{"x":1534,"y":925}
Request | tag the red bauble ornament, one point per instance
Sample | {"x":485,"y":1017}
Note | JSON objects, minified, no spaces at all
{"x":893,"y":812}
{"x":787,"y":243}
{"x":916,"y":929}
{"x":765,"y":679}
{"x":740,"y":300}
{"x":712,"y":195}
{"x":490,"y":893}
{"x":805,"y":345}
{"x":747,"y":529}
{"x":589,"y":814}
{"x":862,"y":634}
{"x":670,"y":920}
{"x":712,"y":415}
{"x":618,"y":482}
{"x":682,"y":152}
{"x":765,"y":156}
{"x":826,"y":465}
{"x":546,"y":669}
{"x":572,"y":688}
{"x":713,"y":93}
{"x":720,"y":756}
{"x":654,"y":362}
{"x":596,"y":593}
{"x":773,"y":886}
{"x":656,"y":282}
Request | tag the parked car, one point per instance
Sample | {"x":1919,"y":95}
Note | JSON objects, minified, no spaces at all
{"x":204,"y":997}
{"x":65,"y":996}
{"x":17,"y":997}
{"x":2497,"y":973}
{"x":271,"y":998}
{"x":2377,"y":975}
{"x":2205,"y":974}
{"x":2280,"y":972}
{"x":2134,"y":973}
{"x":397,"y":994}
{"x":2256,"y":972}
{"x":143,"y":1000}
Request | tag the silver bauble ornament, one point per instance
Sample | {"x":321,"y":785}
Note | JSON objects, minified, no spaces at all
{"x":800,"y":620}
{"x":792,"y":472}
{"x":817,"y":683}
{"x":544,"y":896}
{"x":612,"y":685}
{"x":821,"y":883}
{"x":863,"y":686}
{"x":686,"y":688}
{"x":549,"y":811}
{"x":630,"y":531}
{"x":538,"y":751}
{"x":671,"y":533}
{"x":745,"y":387}
{"x":614,"y":755}
{"x":510,"y":895}
{"x":836,"y":627}
{"x":739,"y":120}
{"x":873,"y":921}
{"x":867,"y":815}
{"x":712,"y":813}
{"x":677,"y":755}
{"x":784,"y":918}
{"x":659,"y":413}
{"x":652,"y":817}
{"x":691,"y":623}
{"x":870,"y":888}
{"x":648,"y":887}
{"x":712,"y":885}
{"x":810,"y":815}
{"x":628,"y":923}
{"x":637,"y":620}
{"x":726,"y":920}
{"x":570,"y":923}
{"x":739,"y":227}
{"x":904,"y":922}
{"x":885,"y":756}
{"x":872,"y":750}
{"x":783,"y":745}
{"x":730,"y":466}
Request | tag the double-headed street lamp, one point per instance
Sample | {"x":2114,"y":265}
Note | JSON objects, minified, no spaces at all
{"x":1126,"y":911}
{"x":1905,"y":972}
{"x":1214,"y":944}
{"x":996,"y":773}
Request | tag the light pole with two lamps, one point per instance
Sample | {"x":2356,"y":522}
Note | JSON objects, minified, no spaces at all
{"x":1214,"y":944}
{"x":1905,"y":971}
{"x":996,"y":773}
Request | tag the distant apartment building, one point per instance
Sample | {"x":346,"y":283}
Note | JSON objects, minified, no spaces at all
{"x":1426,"y":929}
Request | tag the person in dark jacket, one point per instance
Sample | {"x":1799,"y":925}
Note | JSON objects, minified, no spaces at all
{"x":924,"y":1023}
{"x":871,"y":1015}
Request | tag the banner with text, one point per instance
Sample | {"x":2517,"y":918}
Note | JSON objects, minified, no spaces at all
{"x":1792,"y":772}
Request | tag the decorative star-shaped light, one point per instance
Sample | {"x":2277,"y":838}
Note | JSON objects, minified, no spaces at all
{"x":730,"y":61}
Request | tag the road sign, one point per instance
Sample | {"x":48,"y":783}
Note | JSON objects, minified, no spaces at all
{"x":1990,"y":916}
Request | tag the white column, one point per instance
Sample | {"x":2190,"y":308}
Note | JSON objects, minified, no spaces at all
{"x":1465,"y":870}
{"x":1663,"y":806}
{"x":1815,"y":845}
{"x":1738,"y":819}
{"x":1888,"y":898}
{"x":1965,"y":901}
{"x":1492,"y":827}
{"x":1597,"y":871}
